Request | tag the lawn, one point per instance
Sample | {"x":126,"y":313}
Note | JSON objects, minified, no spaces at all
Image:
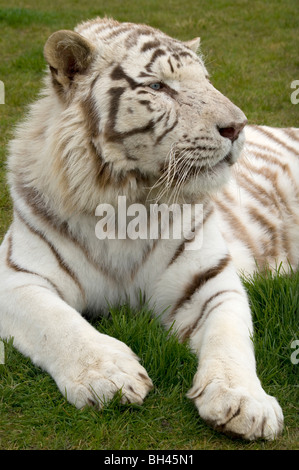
{"x":251,"y":51}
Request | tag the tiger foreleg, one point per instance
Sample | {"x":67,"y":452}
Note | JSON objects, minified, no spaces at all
{"x":213,"y":312}
{"x":88,"y":367}
{"x":226,"y":389}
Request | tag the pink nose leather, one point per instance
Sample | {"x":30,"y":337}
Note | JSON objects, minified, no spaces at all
{"x":232,"y":132}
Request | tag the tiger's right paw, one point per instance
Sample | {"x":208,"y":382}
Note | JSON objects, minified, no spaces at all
{"x":99,"y":373}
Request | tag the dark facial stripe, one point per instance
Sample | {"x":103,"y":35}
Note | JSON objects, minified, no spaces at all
{"x":158,"y":53}
{"x":170,"y":65}
{"x":118,"y":73}
{"x":161,"y":137}
{"x":147,"y":104}
{"x":115,"y":94}
{"x":186,"y":54}
{"x":16,"y":267}
{"x":150,"y":45}
{"x":145,"y":75}
{"x":198,"y":281}
{"x":90,"y":111}
{"x":117,"y":31}
{"x":110,"y":131}
{"x":134,"y":36}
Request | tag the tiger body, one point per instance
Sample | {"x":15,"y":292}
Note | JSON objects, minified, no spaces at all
{"x":258,"y":208}
{"x":129,"y":111}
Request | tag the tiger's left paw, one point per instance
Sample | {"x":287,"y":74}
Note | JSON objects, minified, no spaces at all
{"x":238,"y":412}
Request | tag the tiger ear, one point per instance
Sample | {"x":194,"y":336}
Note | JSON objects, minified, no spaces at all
{"x":193,"y":44}
{"x":67,"y":53}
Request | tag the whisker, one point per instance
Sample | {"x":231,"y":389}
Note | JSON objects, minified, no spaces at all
{"x":164,"y":178}
{"x":183,"y":173}
{"x":172,"y":173}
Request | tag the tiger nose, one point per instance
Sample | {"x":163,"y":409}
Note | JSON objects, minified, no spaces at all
{"x":232,"y":132}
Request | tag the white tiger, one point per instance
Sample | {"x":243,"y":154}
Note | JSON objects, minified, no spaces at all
{"x":129,"y":111}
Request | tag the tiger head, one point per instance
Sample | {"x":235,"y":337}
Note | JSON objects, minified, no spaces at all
{"x":141,"y":108}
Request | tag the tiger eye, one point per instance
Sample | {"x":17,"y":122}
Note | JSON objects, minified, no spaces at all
{"x":156,"y":86}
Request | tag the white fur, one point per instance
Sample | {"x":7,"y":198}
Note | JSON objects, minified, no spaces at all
{"x":53,"y":268}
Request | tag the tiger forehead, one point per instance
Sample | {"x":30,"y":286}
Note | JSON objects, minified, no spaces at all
{"x":128,"y":34}
{"x":140,"y":49}
{"x":156,"y":59}
{"x":161,"y":45}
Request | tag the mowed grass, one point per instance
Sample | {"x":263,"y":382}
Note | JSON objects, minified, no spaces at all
{"x":34,"y":415}
{"x":251,"y":50}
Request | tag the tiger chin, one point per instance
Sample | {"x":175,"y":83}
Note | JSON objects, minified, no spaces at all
{"x":128,"y":111}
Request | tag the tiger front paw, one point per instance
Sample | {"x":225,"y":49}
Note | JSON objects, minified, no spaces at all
{"x":238,"y":412}
{"x":102,"y":371}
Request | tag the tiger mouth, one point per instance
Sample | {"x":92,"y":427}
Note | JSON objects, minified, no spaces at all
{"x":227,"y":159}
{"x":197,"y":168}
{"x":200,"y":167}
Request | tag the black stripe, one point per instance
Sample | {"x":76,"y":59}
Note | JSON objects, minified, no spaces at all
{"x":90,"y":110}
{"x":170,"y":64}
{"x":204,"y":313}
{"x":158,"y":53}
{"x":135,"y":34}
{"x":59,"y":259}
{"x":110,"y":131}
{"x":158,"y":140}
{"x":198,"y":281}
{"x":150,"y":45}
{"x":181,"y":248}
{"x":144,"y":75}
{"x":16,"y":267}
{"x":118,"y":73}
{"x":37,"y":205}
{"x":117,"y":30}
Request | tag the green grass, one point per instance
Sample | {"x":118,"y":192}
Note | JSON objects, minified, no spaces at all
{"x":251,"y":50}
{"x":34,"y":415}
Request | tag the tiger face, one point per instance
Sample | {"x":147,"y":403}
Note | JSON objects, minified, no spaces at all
{"x":148,"y":105}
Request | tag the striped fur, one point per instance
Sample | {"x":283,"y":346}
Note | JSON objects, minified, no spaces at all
{"x":127,"y":110}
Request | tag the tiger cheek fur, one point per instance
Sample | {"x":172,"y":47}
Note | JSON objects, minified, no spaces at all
{"x":128,"y":111}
